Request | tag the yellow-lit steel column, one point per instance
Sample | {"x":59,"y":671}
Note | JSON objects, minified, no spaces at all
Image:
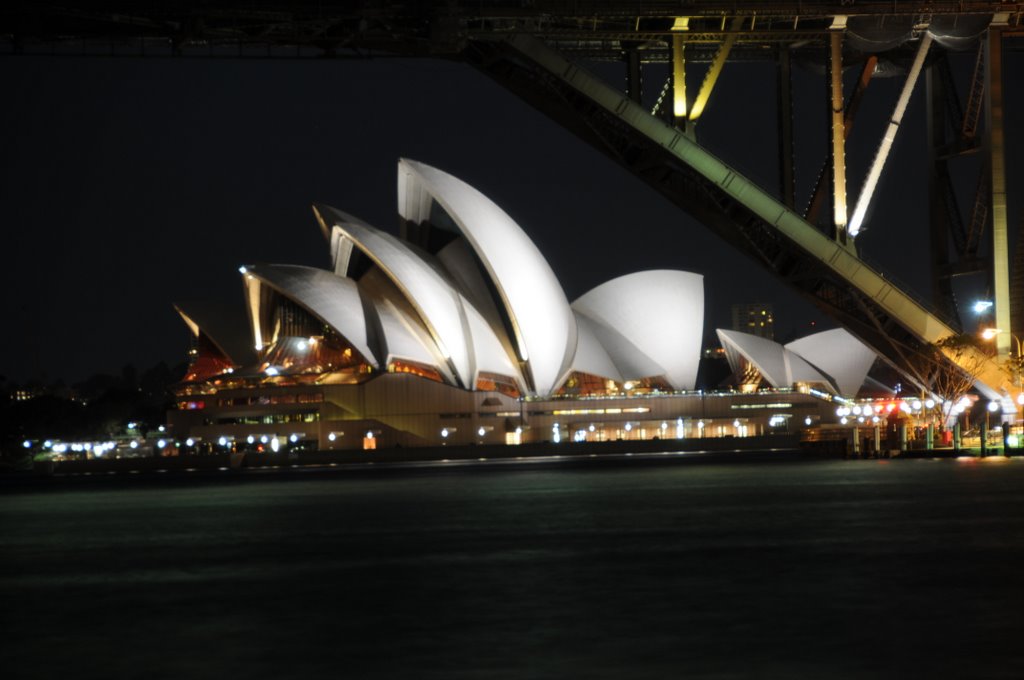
{"x":996,"y":168}
{"x":679,"y":71}
{"x":715,"y":70}
{"x":838,"y":147}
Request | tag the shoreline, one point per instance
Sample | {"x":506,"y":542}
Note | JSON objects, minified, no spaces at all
{"x":321,"y":464}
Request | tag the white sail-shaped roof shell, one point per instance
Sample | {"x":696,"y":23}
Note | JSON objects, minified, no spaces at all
{"x":435,"y":300}
{"x":839,"y":354}
{"x":335,"y":300}
{"x":591,"y":355}
{"x":543,"y":324}
{"x":399,"y":334}
{"x":778,"y":365}
{"x":651,"y":323}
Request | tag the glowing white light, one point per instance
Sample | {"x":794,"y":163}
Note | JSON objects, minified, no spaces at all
{"x":223,"y":441}
{"x":481,"y":432}
{"x":629,"y":427}
{"x":303,"y":345}
{"x":875,"y":419}
{"x":161,"y":443}
{"x":242,"y":270}
{"x":807,"y":420}
{"x":860,"y":419}
{"x":264,"y":439}
{"x":27,"y":444}
{"x":161,"y":428}
{"x":332,"y":436}
{"x":929,"y":403}
{"x":250,"y":439}
{"x":591,"y":428}
{"x":982,"y":306}
{"x":294,"y":438}
{"x":556,"y":435}
{"x":856,"y":410}
{"x":275,"y":444}
{"x":131,"y":426}
{"x":1020,"y":398}
{"x":190,"y":441}
{"x":700,"y":424}
{"x":444,"y":431}
{"x":369,"y":434}
{"x":736,"y":423}
{"x":993,"y":406}
{"x":134,"y":444}
{"x":87,"y":446}
{"x":843,"y":420}
{"x":664,"y":426}
{"x":271,"y":370}
{"x":60,"y":448}
{"x":916,"y":404}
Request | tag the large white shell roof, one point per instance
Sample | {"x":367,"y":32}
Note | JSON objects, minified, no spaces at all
{"x":660,"y":313}
{"x":542,"y":322}
{"x":486,"y":302}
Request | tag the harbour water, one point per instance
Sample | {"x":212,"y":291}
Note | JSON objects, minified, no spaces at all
{"x":826,"y":569}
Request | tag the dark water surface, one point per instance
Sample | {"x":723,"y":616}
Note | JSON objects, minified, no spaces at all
{"x":858,"y":569}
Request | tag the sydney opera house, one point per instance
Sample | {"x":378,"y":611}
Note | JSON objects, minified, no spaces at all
{"x":459,"y":332}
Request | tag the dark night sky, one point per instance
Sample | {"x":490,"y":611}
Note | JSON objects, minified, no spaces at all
{"x":128,"y":184}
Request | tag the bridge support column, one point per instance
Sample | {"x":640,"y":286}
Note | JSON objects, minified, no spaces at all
{"x":784,"y":89}
{"x":838,"y":134}
{"x":995,"y":167}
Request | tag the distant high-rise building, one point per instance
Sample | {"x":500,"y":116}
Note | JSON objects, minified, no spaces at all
{"x":755,"y":318}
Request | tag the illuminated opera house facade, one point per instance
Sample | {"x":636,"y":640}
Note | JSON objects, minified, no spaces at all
{"x":457,"y":332}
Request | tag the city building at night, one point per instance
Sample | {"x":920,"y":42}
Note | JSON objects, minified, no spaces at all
{"x":756,"y":319}
{"x":457,"y":331}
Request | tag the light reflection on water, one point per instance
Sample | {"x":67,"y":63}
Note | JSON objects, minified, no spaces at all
{"x":827,"y":569}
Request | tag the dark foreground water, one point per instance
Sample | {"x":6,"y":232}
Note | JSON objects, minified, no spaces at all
{"x":817,"y":570}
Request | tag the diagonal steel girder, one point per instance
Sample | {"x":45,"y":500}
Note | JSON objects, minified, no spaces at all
{"x":860,"y":299}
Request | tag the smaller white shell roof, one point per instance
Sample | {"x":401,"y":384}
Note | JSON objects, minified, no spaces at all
{"x":839,"y":354}
{"x":779,"y":366}
{"x":660,"y":315}
{"x":544,"y":326}
{"x":333,"y":299}
{"x":591,"y":355}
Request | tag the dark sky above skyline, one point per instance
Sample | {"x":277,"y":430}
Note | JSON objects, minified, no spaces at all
{"x":128,"y":184}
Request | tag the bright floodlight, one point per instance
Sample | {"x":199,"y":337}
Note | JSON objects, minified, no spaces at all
{"x":993,"y":406}
{"x":270,"y":370}
{"x":134,"y":444}
{"x":990,"y":333}
{"x":27,"y":444}
{"x":190,"y":441}
{"x":1020,"y":398}
{"x":982,"y":306}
